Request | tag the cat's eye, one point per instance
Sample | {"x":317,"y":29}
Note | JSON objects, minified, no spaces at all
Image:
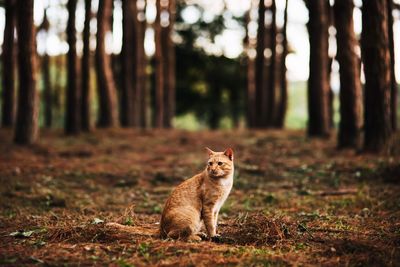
{"x":220,"y":163}
{"x":210,"y":163}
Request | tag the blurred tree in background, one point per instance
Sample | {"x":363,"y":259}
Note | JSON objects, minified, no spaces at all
{"x":187,"y":78}
{"x":8,"y":60}
{"x":208,"y":85}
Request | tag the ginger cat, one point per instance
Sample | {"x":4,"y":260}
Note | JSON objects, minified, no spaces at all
{"x":198,"y":200}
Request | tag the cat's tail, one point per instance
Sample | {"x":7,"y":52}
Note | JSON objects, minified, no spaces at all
{"x":139,"y":230}
{"x":182,"y":234}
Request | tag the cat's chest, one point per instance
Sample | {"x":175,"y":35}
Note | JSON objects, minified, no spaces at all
{"x":216,"y":194}
{"x":220,"y":200}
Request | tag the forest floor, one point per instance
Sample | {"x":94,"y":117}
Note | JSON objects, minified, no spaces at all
{"x":295,"y":201}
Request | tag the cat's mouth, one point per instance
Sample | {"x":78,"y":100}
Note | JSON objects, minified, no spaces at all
{"x":217,"y":175}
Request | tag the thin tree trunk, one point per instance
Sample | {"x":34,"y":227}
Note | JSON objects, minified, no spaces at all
{"x":137,"y":92}
{"x":259,"y":63}
{"x":214,"y":100}
{"x":85,"y":99}
{"x":128,"y":57}
{"x":234,"y":99}
{"x":26,"y":130}
{"x":250,"y":83}
{"x":8,"y":69}
{"x":166,"y":66}
{"x":376,"y":58}
{"x":331,"y":95}
{"x":251,"y":90}
{"x":142,"y":65}
{"x":72,"y":123}
{"x":318,"y":86}
{"x":47,"y":92}
{"x":271,"y":96}
{"x":393,"y":82}
{"x":282,"y":107}
{"x":159,"y":71}
{"x":169,"y":67}
{"x":108,"y":112}
{"x":172,"y":72}
{"x":350,"y":84}
{"x":58,"y":88}
{"x":47,"y":88}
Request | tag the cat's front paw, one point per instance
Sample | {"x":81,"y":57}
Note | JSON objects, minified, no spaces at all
{"x":203,"y":236}
{"x":194,"y":238}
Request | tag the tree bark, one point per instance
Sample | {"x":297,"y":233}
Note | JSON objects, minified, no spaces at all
{"x":108,"y":113}
{"x":169,"y":67}
{"x":26,"y":128}
{"x":138,"y":91}
{"x":259,"y":64}
{"x":271,"y":96}
{"x":214,"y":100}
{"x":72,"y":123}
{"x":282,"y":107}
{"x":47,"y":88}
{"x":47,"y":92}
{"x":250,"y":79}
{"x":159,"y":71}
{"x":350,"y":84}
{"x":142,"y":65}
{"x":393,"y":82}
{"x":85,"y":99}
{"x":129,"y":112}
{"x":331,"y":95}
{"x":318,"y":86}
{"x":376,"y":58}
{"x":8,"y":56}
{"x":57,"y":92}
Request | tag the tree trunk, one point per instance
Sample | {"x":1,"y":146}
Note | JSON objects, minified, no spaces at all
{"x":142,"y":65}
{"x":234,"y":99}
{"x":393,"y":82}
{"x":108,"y":113}
{"x":259,"y":63}
{"x":376,"y":58}
{"x":350,"y":84}
{"x":214,"y":100}
{"x":85,"y":99}
{"x":72,"y":123}
{"x":137,"y":90}
{"x":331,"y":95}
{"x":47,"y":92}
{"x":58,"y":88}
{"x":159,"y":71}
{"x":172,"y":70}
{"x":251,"y":91}
{"x":318,"y":86}
{"x":128,"y":110}
{"x":26,"y":128}
{"x":282,"y":107}
{"x":250,"y":82}
{"x":169,"y":67}
{"x":47,"y":89}
{"x":8,"y":69}
{"x":271,"y":96}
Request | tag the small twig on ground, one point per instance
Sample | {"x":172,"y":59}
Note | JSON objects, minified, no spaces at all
{"x":339,"y":192}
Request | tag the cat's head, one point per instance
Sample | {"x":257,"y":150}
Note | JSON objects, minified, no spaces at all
{"x":219,"y":164}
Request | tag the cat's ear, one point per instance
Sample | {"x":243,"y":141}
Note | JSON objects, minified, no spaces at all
{"x":210,"y":152}
{"x":229,"y":153}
